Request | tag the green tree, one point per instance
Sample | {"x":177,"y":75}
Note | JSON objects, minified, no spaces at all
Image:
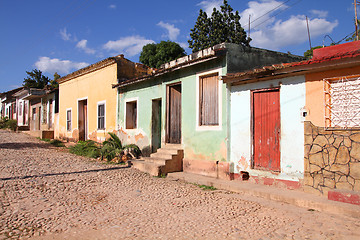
{"x":222,"y":26}
{"x":353,"y":36}
{"x":154,"y":55}
{"x":200,"y":33}
{"x":36,"y":79}
{"x":54,"y":83}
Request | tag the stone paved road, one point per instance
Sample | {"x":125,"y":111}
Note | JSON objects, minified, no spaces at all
{"x":46,"y":193}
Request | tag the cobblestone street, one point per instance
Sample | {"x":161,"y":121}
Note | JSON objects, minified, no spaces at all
{"x":47,"y":193}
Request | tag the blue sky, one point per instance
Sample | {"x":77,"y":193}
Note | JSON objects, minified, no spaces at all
{"x":63,"y":36}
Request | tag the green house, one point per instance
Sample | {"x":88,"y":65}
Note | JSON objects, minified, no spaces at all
{"x":179,"y":115}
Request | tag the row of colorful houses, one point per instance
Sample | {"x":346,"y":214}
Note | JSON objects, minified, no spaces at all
{"x":233,"y":112}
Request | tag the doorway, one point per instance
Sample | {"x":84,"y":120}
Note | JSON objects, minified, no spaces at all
{"x":173,"y":116}
{"x":266,"y":129}
{"x":156,"y":125}
{"x":82,"y":121}
{"x":50,"y":117}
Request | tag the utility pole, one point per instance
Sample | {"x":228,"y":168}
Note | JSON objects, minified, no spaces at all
{"x":249,"y":27}
{"x":356,"y":21}
{"x":307,"y":24}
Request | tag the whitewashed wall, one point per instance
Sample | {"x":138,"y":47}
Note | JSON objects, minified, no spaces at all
{"x":292,"y":101}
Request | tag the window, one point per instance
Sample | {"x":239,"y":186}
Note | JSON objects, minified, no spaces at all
{"x":20,"y":108}
{"x":101,"y":116}
{"x":34,"y":114}
{"x":209,"y":100}
{"x":68,"y":120}
{"x":131,"y":115}
{"x":342,"y":102}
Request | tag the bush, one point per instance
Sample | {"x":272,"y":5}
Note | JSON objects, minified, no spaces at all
{"x":113,"y":148}
{"x":57,"y":143}
{"x":6,"y":123}
{"x":87,"y":148}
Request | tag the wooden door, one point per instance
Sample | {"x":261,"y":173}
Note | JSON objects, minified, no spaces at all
{"x":266,"y":130}
{"x":174,"y":114}
{"x":82,"y":121}
{"x":50,"y":114}
{"x":156,"y":125}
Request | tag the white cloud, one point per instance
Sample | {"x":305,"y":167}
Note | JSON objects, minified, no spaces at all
{"x":82,"y":45}
{"x":184,"y":45}
{"x":112,"y":6}
{"x":267,"y":31}
{"x":131,"y":45}
{"x":49,"y":65}
{"x":319,"y":13}
{"x":208,"y":6}
{"x":64,"y":35}
{"x":173,"y":32}
{"x":258,"y":13}
{"x":290,"y":32}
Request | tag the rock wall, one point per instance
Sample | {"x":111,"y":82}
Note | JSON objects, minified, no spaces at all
{"x":332,"y":159}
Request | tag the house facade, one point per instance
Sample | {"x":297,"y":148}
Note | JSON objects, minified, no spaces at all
{"x":87,"y":102}
{"x":8,"y":103}
{"x":186,"y":103}
{"x":42,"y":116}
{"x":297,"y":124}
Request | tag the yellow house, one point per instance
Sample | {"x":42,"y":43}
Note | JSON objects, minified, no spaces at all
{"x":87,"y":101}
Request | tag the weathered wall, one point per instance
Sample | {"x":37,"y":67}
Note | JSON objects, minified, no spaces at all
{"x":205,"y":145}
{"x":315,"y":92}
{"x":143,"y":93}
{"x":292,"y":100}
{"x":242,"y":59}
{"x":332,"y":159}
{"x":95,"y":87}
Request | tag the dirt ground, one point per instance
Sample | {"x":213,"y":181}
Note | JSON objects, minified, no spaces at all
{"x":46,"y":193}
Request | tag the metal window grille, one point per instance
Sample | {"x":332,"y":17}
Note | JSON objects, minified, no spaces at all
{"x":342,"y":102}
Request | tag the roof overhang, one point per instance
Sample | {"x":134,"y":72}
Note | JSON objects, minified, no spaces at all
{"x":288,"y":70}
{"x":202,"y":56}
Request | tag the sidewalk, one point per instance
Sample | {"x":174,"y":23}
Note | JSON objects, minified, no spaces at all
{"x":293,"y":197}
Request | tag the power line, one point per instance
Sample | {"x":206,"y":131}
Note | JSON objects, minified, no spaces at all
{"x":267,"y":13}
{"x":277,"y":14}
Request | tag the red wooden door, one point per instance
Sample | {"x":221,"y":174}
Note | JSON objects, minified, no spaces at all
{"x":174,"y":114}
{"x":266,"y":133}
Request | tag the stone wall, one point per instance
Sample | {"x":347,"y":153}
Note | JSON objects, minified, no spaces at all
{"x":332,"y":159}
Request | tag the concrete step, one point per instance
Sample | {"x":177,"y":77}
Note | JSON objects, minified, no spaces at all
{"x":172,"y":146}
{"x":159,"y":161}
{"x":167,"y":159}
{"x":162,"y":155}
{"x":168,"y":151}
{"x":148,"y":167}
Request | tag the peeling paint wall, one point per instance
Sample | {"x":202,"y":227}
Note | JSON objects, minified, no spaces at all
{"x":207,"y":145}
{"x":143,"y":95}
{"x":292,"y":100}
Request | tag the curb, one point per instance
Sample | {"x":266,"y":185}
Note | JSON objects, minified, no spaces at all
{"x":294,"y":197}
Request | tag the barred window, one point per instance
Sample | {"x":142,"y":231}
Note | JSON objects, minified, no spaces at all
{"x":342,"y":102}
